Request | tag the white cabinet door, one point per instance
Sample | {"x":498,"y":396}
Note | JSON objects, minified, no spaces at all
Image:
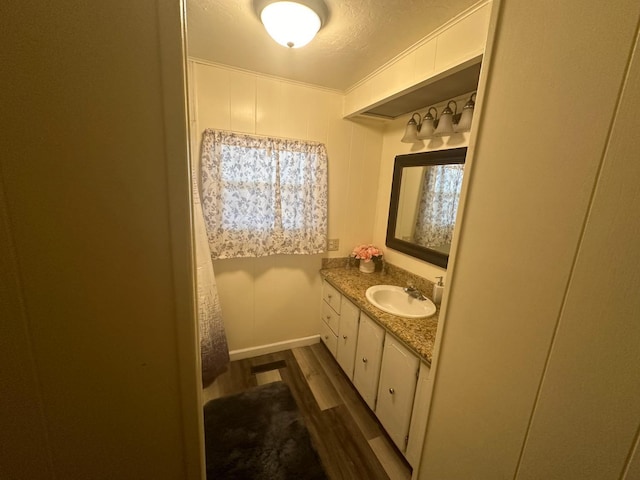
{"x":368,"y":356}
{"x":347,"y":336}
{"x":398,"y":377}
{"x":418,"y":425}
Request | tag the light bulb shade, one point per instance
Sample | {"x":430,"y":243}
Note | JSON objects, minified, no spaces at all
{"x":427,"y":126}
{"x":464,"y":125}
{"x":426,"y":130}
{"x":445,"y":125}
{"x":411,"y":131}
{"x":290,"y":24}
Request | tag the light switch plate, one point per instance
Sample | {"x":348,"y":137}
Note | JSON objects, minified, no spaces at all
{"x":333,"y":244}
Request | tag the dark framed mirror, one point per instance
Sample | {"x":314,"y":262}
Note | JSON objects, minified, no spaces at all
{"x":424,"y":201}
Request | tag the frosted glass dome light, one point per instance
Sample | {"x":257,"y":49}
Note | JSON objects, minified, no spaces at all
{"x":290,"y":24}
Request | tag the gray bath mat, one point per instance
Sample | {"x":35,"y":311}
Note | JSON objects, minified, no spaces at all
{"x":259,"y":434}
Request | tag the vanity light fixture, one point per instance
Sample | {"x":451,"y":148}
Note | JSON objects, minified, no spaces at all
{"x":292,"y":24}
{"x":449,"y":122}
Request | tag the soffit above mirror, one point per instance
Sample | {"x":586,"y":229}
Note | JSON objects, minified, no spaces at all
{"x":445,"y":64}
{"x":431,"y":92}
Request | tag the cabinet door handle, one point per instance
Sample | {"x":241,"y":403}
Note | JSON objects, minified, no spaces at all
{"x":329,"y":296}
{"x":326,"y":337}
{"x":364,"y":360}
{"x":328,"y":317}
{"x":344,"y":336}
{"x":392,"y":391}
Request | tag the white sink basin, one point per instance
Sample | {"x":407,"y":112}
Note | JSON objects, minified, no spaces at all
{"x":394,"y":300}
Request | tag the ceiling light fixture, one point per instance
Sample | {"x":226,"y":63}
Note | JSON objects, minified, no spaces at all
{"x":292,"y":24}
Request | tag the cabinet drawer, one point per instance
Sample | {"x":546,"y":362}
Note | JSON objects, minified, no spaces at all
{"x":331,"y":318}
{"x":329,"y":338}
{"x":331,"y":296}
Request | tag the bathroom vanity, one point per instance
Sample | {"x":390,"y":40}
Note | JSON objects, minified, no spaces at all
{"x":387,"y":358}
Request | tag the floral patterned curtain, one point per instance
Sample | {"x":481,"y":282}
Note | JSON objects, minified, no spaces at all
{"x":263,"y":196}
{"x":438,"y":205}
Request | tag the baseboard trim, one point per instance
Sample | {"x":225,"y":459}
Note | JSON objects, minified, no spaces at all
{"x":272,"y":347}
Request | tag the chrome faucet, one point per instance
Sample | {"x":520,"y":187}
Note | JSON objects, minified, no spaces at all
{"x":413,"y":292}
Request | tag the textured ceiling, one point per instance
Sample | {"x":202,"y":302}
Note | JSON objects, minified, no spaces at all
{"x":359,"y":36}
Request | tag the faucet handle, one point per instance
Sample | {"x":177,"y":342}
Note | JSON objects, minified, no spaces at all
{"x":411,"y":289}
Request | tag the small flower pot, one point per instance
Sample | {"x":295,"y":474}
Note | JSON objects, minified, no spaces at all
{"x":367,"y":266}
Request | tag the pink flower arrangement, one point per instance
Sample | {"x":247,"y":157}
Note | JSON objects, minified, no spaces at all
{"x":366,"y":252}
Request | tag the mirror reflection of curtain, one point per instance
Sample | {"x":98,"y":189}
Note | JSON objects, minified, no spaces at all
{"x":438,"y":205}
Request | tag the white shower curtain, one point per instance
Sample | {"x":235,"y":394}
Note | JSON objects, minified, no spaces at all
{"x":213,"y":341}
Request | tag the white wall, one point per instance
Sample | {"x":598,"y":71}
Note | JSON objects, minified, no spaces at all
{"x":98,"y":346}
{"x":277,"y":298}
{"x":392,"y":146}
{"x":537,"y":374}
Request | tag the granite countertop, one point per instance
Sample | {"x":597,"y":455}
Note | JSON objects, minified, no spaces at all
{"x":419,"y":334}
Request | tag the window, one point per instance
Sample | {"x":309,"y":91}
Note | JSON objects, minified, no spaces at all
{"x":263,"y":196}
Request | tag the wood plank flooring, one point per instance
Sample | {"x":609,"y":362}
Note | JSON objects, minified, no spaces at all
{"x":346,"y":434}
